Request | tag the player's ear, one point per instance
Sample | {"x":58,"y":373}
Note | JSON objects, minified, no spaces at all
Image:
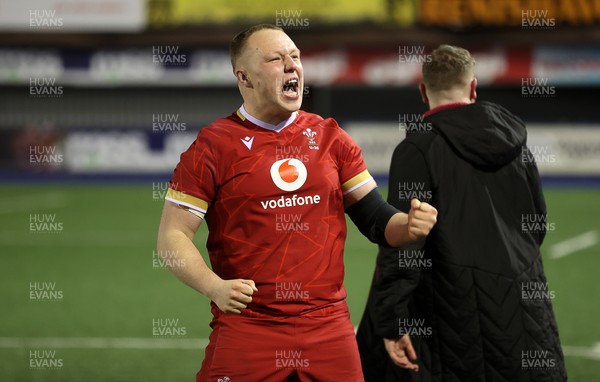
{"x":243,"y":78}
{"x":423,"y":92}
{"x":473,"y":91}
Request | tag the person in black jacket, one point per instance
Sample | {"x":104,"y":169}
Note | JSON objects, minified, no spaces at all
{"x":470,"y":302}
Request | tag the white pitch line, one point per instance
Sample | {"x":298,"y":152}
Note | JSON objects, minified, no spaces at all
{"x":583,"y":352}
{"x":176,"y":343}
{"x":103,"y":343}
{"x":574,"y":244}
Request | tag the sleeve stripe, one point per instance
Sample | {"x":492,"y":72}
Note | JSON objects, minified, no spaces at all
{"x":180,"y":197}
{"x":356,"y":181}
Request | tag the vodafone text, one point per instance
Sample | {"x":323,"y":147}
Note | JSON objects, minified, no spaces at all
{"x":292,"y":201}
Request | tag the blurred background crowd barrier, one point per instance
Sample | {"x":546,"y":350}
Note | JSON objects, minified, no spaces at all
{"x":118,"y":88}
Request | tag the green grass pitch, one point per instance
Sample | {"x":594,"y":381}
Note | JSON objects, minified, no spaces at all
{"x":101,"y":260}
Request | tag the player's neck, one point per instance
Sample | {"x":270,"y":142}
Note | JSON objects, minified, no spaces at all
{"x":445,"y":106}
{"x":434,"y":104}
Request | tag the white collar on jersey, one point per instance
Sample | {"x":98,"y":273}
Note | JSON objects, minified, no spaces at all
{"x":268,"y":126}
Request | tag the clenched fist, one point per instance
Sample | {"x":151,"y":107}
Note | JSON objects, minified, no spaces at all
{"x":421,"y":219}
{"x":231,"y":296}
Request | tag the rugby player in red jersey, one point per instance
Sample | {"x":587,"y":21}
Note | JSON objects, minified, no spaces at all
{"x":273,"y":183}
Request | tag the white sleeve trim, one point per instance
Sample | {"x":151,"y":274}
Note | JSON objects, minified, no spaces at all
{"x":200,"y":212}
{"x":358,"y":185}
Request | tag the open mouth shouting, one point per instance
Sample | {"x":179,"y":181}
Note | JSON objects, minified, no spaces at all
{"x":290,"y":88}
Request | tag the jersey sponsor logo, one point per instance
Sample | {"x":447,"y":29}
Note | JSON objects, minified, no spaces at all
{"x":247,"y":142}
{"x":288,"y":174}
{"x":291,"y":201}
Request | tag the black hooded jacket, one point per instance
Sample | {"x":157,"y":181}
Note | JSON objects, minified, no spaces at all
{"x":472,"y":295}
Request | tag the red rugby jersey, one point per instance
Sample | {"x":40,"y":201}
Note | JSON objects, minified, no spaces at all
{"x":274,"y":207}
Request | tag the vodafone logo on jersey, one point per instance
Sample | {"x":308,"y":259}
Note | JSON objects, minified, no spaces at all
{"x":288,"y":174}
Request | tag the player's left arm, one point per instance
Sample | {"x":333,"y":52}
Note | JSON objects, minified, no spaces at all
{"x":382,"y":223}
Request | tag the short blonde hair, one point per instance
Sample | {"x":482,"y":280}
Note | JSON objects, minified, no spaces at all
{"x":449,"y":66}
{"x":239,"y":41}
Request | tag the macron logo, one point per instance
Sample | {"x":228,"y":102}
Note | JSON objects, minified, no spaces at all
{"x":247,"y":142}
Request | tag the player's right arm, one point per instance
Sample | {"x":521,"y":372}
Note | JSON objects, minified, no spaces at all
{"x":175,"y":234}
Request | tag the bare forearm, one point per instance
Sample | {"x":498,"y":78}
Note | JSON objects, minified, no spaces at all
{"x":396,"y":231}
{"x":175,"y":234}
{"x":403,"y":229}
{"x":190,"y":267}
